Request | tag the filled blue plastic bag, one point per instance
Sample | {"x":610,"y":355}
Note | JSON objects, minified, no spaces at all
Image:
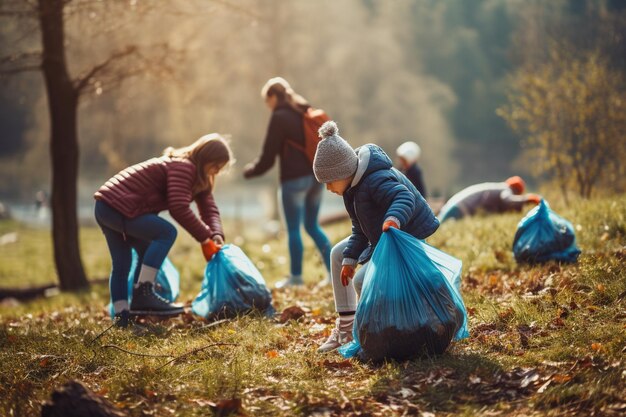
{"x":167,"y":283}
{"x":542,"y":235}
{"x":410,"y":303}
{"x":232,"y":285}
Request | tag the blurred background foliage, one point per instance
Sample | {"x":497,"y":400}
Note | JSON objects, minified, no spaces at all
{"x":433,"y":71}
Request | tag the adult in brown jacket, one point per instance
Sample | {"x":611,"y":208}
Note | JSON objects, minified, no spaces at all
{"x":127,"y":208}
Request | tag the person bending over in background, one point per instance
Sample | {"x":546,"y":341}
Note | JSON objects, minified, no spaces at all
{"x":377,"y":197}
{"x":127,"y":208}
{"x":408,"y":154}
{"x":490,"y":197}
{"x":301,"y":195}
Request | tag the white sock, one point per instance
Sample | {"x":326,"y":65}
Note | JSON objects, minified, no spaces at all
{"x":119,"y":306}
{"x":147,"y":274}
{"x":346,"y":322}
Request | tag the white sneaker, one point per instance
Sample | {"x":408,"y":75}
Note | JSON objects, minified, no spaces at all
{"x":323,"y":283}
{"x":337,"y":338}
{"x":289,"y":282}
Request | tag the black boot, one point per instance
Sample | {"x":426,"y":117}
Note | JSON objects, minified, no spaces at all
{"x":147,"y":302}
{"x":121,"y":319}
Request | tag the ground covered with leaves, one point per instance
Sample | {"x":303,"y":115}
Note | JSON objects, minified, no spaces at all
{"x":544,"y":340}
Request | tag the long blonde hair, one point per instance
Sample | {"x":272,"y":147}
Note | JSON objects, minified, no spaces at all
{"x":280,"y":88}
{"x":209,"y":149}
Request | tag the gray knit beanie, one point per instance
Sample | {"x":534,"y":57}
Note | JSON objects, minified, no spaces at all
{"x":334,"y":159}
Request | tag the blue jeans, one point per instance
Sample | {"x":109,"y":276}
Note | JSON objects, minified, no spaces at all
{"x":150,"y":235}
{"x":301,"y":199}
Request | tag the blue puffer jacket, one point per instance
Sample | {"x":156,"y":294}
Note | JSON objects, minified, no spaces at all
{"x":377,"y":192}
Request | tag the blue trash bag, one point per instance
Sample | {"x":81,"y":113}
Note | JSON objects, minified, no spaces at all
{"x":542,"y":235}
{"x":232,"y":285}
{"x":167,"y":283}
{"x":410,"y":303}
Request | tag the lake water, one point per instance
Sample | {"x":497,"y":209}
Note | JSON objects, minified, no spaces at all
{"x":235,"y":203}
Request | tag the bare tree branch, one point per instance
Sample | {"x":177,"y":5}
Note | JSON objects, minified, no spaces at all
{"x":23,"y":9}
{"x":19,"y":70}
{"x":23,"y":62}
{"x":19,"y":57}
{"x":83,"y":81}
{"x":17,"y":13}
{"x":157,"y":60}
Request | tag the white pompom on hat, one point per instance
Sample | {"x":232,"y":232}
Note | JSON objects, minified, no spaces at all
{"x":410,"y":151}
{"x":334,"y":159}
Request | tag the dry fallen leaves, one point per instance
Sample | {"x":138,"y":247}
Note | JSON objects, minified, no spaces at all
{"x":336,"y":364}
{"x":596,"y":347}
{"x":271,"y":354}
{"x":561,"y":378}
{"x":291,"y":313}
{"x":226,"y":407}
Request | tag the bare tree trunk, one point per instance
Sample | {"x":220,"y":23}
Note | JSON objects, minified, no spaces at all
{"x":63,"y":107}
{"x":563,"y":188}
{"x":562,"y":180}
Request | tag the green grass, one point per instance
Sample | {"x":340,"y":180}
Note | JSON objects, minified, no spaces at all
{"x":545,"y":340}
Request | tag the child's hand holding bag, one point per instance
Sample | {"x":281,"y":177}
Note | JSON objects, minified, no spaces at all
{"x":210,"y":248}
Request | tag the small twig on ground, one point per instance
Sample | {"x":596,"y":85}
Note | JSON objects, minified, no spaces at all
{"x":208,"y":326}
{"x":148,"y":355}
{"x":102,"y":333}
{"x":191,"y":352}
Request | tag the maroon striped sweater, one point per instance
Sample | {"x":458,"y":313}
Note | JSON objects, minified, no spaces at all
{"x":163,"y":184}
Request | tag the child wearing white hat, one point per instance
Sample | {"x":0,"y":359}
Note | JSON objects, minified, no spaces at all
{"x":408,"y":154}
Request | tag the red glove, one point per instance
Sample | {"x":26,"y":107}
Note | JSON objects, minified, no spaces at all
{"x":347,"y":272}
{"x":533,"y":198}
{"x":388,"y":224}
{"x":210,"y":248}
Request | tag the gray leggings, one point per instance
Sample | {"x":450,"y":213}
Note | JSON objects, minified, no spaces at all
{"x":345,"y":297}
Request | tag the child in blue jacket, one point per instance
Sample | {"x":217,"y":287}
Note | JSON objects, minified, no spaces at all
{"x":377,"y":197}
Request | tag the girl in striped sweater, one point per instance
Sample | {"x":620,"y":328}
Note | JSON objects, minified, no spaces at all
{"x":127,"y":208}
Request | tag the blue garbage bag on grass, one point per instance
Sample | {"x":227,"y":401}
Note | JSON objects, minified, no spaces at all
{"x":232,"y":285}
{"x":542,"y":235}
{"x":167,"y":283}
{"x":410,"y":303}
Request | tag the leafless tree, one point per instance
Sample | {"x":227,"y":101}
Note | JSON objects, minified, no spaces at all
{"x":64,"y":92}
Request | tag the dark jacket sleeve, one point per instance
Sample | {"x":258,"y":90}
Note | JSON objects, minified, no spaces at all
{"x":356,"y":244}
{"x":358,"y":241}
{"x":511,"y":202}
{"x":271,"y":148}
{"x":179,"y":183}
{"x":209,"y":213}
{"x":388,"y":192}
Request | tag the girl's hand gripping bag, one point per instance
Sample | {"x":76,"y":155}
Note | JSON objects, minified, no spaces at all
{"x":410,"y":303}
{"x":167,"y":283}
{"x":232,"y":285}
{"x":543,"y":235}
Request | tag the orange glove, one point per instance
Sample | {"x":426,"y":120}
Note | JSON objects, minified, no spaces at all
{"x":347,"y":272}
{"x":533,"y":198}
{"x":210,"y":248}
{"x":388,"y":224}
